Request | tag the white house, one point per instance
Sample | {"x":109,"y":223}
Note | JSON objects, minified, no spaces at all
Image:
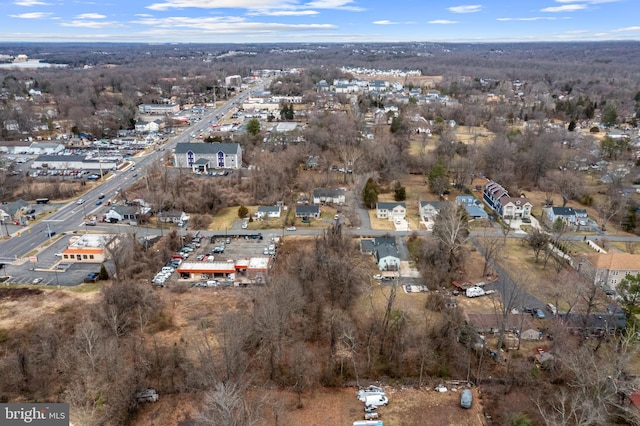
{"x":391,"y":211}
{"x":308,"y":211}
{"x":428,"y":212}
{"x":268,"y":212}
{"x":326,"y":195}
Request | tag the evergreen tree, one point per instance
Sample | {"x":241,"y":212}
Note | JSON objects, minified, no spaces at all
{"x":253,"y":127}
{"x":370,"y":193}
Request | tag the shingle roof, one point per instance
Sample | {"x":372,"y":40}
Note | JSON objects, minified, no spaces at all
{"x":563,"y":211}
{"x":390,"y":206}
{"x":616,"y":261}
{"x":206,"y":148}
{"x":327,"y":192}
{"x":307,"y":209}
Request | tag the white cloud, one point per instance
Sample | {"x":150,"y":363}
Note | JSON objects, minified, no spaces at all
{"x":466,"y":9}
{"x":92,"y":24}
{"x":267,"y":7}
{"x":283,"y":13}
{"x":30,"y":3}
{"x":225,"y":4}
{"x":223,"y":25}
{"x":90,"y":16}
{"x":385,"y":22}
{"x":442,"y":22}
{"x":333,"y":4}
{"x":588,"y":1}
{"x":565,"y":8}
{"x":533,"y":18}
{"x":622,"y":30}
{"x":33,"y":15}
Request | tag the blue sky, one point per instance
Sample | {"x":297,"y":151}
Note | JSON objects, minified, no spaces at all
{"x":248,"y":21}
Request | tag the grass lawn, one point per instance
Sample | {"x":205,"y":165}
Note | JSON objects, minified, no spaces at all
{"x":224,"y":218}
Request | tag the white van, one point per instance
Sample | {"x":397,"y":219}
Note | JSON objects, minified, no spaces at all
{"x":375,"y":400}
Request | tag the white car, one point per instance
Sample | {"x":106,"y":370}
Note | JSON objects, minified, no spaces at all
{"x":291,"y":228}
{"x":377,"y":277}
{"x":80,"y":201}
{"x":36,"y":281}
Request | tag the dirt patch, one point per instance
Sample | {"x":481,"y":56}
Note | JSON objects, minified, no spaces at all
{"x":18,"y":293}
{"x":19,"y":305}
{"x":321,"y":406}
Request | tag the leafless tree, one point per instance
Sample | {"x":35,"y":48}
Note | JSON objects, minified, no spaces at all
{"x":451,"y":230}
{"x":226,"y":405}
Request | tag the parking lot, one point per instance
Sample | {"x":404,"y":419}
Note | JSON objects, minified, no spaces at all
{"x":216,"y":249}
{"x":50,"y":269}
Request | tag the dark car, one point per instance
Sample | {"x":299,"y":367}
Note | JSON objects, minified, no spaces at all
{"x":91,"y":277}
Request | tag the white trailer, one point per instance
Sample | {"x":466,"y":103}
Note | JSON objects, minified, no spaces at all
{"x":475,"y":291}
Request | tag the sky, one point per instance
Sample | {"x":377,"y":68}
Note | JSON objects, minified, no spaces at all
{"x":339,"y":21}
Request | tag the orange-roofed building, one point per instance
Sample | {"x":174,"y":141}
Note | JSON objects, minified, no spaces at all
{"x":88,"y":248}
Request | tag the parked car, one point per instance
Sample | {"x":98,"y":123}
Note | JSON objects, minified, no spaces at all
{"x":36,"y":281}
{"x":291,"y":228}
{"x":92,"y":277}
{"x":377,"y":277}
{"x":539,"y":313}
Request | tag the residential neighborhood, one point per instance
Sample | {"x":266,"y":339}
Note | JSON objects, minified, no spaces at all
{"x":228,"y":225}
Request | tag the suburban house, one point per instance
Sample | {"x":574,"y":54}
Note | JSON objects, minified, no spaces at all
{"x":88,"y":248}
{"x":391,"y":211}
{"x":326,"y":195}
{"x":385,"y":251}
{"x":126,"y":213}
{"x":428,"y":212}
{"x":172,"y":216}
{"x":201,"y":156}
{"x":474,"y":207}
{"x":267,"y":212}
{"x":568,"y":215}
{"x":608,"y":269}
{"x":505,"y":206}
{"x":582,"y":217}
{"x":308,"y":211}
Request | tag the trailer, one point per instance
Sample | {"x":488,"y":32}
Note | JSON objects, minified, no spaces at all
{"x":475,"y":291}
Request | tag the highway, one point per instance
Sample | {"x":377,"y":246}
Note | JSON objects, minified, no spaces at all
{"x":70,"y":217}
